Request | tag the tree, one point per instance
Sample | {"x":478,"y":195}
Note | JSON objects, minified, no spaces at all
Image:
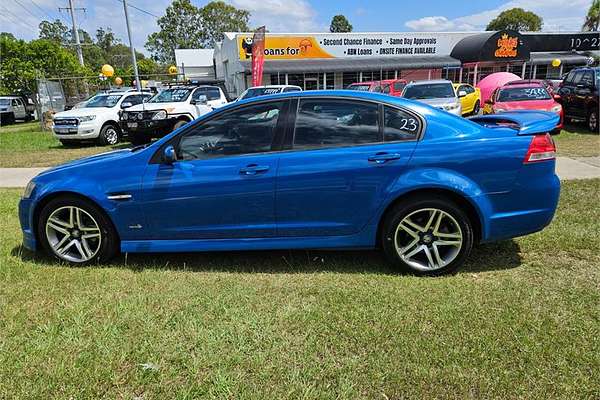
{"x":219,"y":17}
{"x":516,"y":19}
{"x":592,"y":19}
{"x":180,"y":28}
{"x":339,"y":23}
{"x":55,"y":31}
{"x":105,"y":39}
{"x":185,"y":26}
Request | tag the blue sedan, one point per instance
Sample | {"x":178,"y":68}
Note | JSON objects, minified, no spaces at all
{"x":307,"y":170}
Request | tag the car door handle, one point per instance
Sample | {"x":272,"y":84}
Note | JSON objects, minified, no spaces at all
{"x":254,"y":169}
{"x":381,"y":158}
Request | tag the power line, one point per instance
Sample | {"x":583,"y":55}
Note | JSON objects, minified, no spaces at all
{"x":26,"y":9}
{"x":9,"y":16}
{"x":140,"y":9}
{"x":43,"y":11}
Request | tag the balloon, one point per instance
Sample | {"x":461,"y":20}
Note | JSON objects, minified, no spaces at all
{"x":172,"y":70}
{"x":556,"y":63}
{"x":118,"y":81}
{"x":107,"y":70}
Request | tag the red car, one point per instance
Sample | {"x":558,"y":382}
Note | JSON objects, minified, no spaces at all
{"x":525,"y":96}
{"x":393,"y":87}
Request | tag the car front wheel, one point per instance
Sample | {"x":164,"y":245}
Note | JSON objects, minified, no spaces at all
{"x":592,"y":121}
{"x":427,"y":236}
{"x":75,"y":230}
{"x":109,"y":135}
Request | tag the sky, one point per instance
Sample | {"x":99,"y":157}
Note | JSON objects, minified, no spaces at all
{"x":22,"y":17}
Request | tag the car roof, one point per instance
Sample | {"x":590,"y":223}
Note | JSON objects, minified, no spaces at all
{"x":428,"y":82}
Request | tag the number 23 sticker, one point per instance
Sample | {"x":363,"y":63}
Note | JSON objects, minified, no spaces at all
{"x":408,"y":124}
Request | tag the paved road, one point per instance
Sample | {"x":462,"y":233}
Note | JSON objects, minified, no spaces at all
{"x":567,"y":168}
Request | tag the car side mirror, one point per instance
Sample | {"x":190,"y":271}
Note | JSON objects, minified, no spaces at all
{"x":489,"y":101}
{"x":126,"y":104}
{"x":462,"y":93}
{"x":169,"y":155}
{"x":202,"y":99}
{"x":556,"y":97}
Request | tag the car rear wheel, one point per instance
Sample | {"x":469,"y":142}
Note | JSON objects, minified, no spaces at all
{"x":76,"y":231}
{"x":427,"y":236}
{"x":109,"y":135}
{"x":592,"y":121}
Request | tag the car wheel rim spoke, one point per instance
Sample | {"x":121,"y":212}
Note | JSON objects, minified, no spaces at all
{"x":428,"y":239}
{"x":73,"y":234}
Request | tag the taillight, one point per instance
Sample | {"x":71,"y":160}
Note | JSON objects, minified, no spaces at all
{"x":542,"y":148}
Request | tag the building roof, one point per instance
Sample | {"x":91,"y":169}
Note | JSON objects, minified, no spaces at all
{"x":194,"y":57}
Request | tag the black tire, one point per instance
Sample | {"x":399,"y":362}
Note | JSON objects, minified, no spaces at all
{"x":456,"y":255}
{"x":9,"y":119}
{"x":69,"y":143}
{"x":476,"y":108}
{"x":592,"y":120}
{"x":109,"y":241}
{"x":138,"y":139}
{"x":109,"y":135}
{"x":179,"y":124}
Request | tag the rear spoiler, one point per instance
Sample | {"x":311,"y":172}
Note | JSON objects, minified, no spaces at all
{"x":525,"y":122}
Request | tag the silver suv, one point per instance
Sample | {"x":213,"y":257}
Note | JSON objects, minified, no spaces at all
{"x":437,"y":93}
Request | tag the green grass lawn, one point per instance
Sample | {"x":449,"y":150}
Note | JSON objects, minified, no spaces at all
{"x":522,"y":320}
{"x":26,"y":145}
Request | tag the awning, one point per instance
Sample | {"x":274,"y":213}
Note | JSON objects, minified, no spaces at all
{"x":565,"y":58}
{"x":354,"y":64}
{"x":500,"y":46}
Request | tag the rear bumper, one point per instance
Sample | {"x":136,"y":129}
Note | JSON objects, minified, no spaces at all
{"x":526,"y":209}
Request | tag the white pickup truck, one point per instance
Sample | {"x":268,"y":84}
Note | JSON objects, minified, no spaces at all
{"x":13,"y":108}
{"x":169,"y":110}
{"x":97,"y":120}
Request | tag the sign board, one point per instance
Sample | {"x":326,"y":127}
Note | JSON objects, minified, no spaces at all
{"x":342,"y":45}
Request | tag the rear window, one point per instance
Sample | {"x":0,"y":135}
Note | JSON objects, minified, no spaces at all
{"x":210,"y":93}
{"x":429,"y":91}
{"x":361,"y":88}
{"x":256,"y":92}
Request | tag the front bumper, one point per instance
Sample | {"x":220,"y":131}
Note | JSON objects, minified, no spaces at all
{"x":82,"y":131}
{"x":158,"y":127}
{"x":26,"y":207}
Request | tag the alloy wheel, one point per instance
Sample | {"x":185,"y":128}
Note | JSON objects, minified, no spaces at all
{"x":593,"y":122}
{"x":73,"y":234}
{"x":428,"y":239}
{"x":111,"y":135}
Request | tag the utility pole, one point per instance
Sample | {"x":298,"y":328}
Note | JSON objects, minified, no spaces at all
{"x":138,"y":84}
{"x":75,"y":29}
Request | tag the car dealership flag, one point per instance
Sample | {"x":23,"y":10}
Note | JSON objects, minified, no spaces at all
{"x":258,"y":56}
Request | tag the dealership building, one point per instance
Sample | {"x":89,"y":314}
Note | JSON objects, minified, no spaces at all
{"x":335,"y":60}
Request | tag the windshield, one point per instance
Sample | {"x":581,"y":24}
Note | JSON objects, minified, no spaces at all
{"x":429,"y":91}
{"x":260,"y":91}
{"x":104,"y":100}
{"x":209,"y":92}
{"x":4,"y":102}
{"x":523,"y":94}
{"x":362,"y":88}
{"x":171,"y":96}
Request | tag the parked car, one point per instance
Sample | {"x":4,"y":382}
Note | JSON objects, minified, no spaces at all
{"x":169,"y":110}
{"x":526,"y":96}
{"x":579,"y":96}
{"x":257,"y":91}
{"x":306,"y":170}
{"x":470,"y":98}
{"x":97,"y":120}
{"x":437,"y":93}
{"x":13,"y":108}
{"x":393,"y":87}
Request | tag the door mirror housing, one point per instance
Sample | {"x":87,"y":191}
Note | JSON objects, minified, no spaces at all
{"x":169,"y":155}
{"x":462,"y":93}
{"x":126,"y":104}
{"x":202,"y":99}
{"x":556,"y":97}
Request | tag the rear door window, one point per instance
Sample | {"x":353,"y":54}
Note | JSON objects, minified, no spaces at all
{"x":400,"y":125}
{"x":332,"y":123}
